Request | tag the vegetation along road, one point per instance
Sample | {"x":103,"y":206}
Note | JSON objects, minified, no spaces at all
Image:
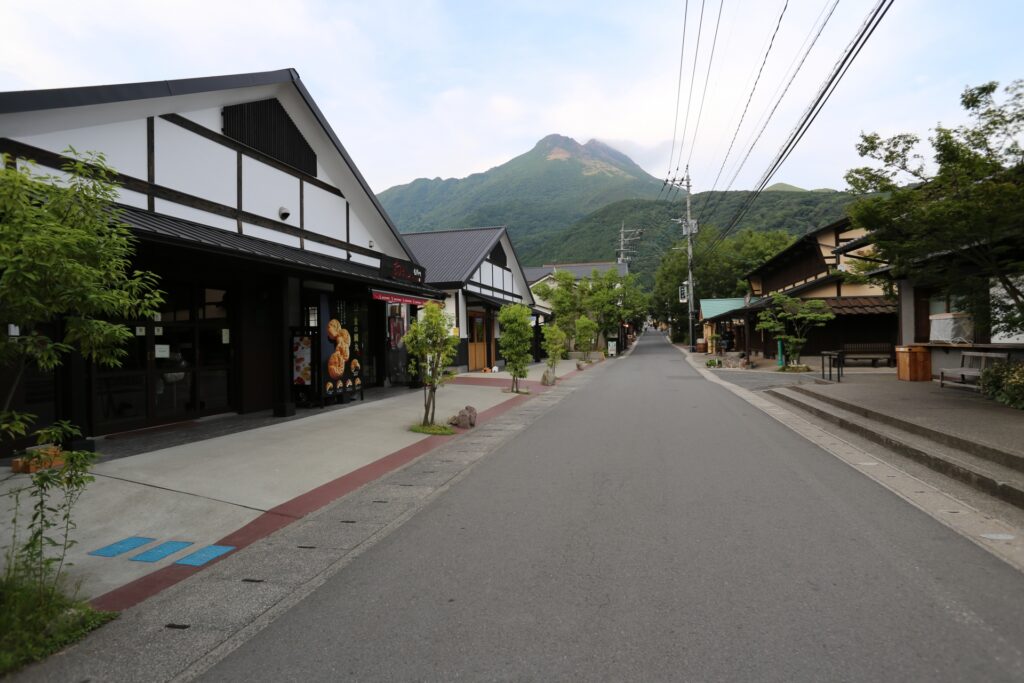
{"x":653,"y":526}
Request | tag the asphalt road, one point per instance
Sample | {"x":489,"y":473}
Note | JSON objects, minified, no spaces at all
{"x":652,"y":526}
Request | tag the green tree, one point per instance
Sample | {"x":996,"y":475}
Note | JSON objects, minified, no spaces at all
{"x":516,"y":340}
{"x":721,"y":275}
{"x":65,"y":284}
{"x":566,"y":300}
{"x":554,"y":346}
{"x":431,"y":347}
{"x":586,"y":335}
{"x":954,"y":225}
{"x":790,"y":319}
{"x":66,"y":280}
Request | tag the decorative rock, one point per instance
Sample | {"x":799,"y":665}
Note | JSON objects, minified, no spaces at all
{"x":548,"y":379}
{"x":471,"y":411}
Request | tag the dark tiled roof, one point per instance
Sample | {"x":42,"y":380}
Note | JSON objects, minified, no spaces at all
{"x":451,"y":256}
{"x":155,"y":227}
{"x":861,"y":305}
{"x":579,"y":270}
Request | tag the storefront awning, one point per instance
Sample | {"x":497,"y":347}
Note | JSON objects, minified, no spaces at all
{"x":396,"y":298}
{"x":494,"y":301}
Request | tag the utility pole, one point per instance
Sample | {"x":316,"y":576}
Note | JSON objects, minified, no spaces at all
{"x":625,"y":237}
{"x":689,"y":229}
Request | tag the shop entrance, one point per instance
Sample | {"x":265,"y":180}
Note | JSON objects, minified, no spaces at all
{"x":178,"y":365}
{"x":477,"y":341}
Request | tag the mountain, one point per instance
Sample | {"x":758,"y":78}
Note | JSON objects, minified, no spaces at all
{"x":783,"y":187}
{"x":536,"y":194}
{"x":596,"y":237}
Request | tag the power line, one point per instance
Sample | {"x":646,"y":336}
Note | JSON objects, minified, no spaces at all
{"x":824,"y":93}
{"x":752,"y":91}
{"x":679,"y":92}
{"x":707,"y":79}
{"x":689,"y":98}
{"x":771,"y":113}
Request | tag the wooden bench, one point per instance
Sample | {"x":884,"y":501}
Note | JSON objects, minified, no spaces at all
{"x":971,"y":365}
{"x":872,"y":351}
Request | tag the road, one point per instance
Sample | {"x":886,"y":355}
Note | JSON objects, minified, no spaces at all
{"x":652,"y":526}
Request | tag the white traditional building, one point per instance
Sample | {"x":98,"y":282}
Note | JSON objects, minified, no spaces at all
{"x":266,"y":238}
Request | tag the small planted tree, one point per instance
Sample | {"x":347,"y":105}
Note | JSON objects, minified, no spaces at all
{"x":554,"y":346}
{"x":431,"y":348}
{"x":66,"y":285}
{"x":790,"y":320}
{"x":586,"y":334}
{"x":515,"y":341}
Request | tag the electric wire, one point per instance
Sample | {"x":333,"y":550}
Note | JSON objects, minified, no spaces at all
{"x":766,"y":120}
{"x":679,"y":92}
{"x":689,"y":97}
{"x":707,"y":79}
{"x":752,"y":91}
{"x":824,"y":93}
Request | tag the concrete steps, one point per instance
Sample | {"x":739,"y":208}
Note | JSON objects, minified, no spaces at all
{"x":996,"y":472}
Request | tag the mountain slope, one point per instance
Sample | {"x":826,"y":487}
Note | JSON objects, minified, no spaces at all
{"x":535,"y":194}
{"x":596,"y":237}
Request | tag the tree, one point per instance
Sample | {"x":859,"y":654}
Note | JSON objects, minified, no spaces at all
{"x":554,"y":346}
{"x":516,"y":340}
{"x":718,"y":276}
{"x":790,"y":319}
{"x":66,"y":284}
{"x":565,"y":297}
{"x":65,"y":273}
{"x":955,"y":224}
{"x":431,"y":347}
{"x":586,"y":333}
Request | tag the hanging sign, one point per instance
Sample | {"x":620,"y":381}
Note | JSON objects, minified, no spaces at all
{"x":393,"y":298}
{"x":396,"y":269}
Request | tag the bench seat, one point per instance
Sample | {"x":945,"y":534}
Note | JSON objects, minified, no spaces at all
{"x":972,"y":364}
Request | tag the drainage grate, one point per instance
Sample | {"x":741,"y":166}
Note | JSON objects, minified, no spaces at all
{"x":178,"y":627}
{"x":306,"y":547}
{"x":252,"y":580}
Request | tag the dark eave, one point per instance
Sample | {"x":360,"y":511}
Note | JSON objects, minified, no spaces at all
{"x":808,"y":237}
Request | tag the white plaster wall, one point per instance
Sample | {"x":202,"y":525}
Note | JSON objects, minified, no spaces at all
{"x":325,"y":212}
{"x":265,"y":190}
{"x":189,"y":163}
{"x":269,"y":235}
{"x":366,"y":260}
{"x":358,"y":233}
{"x":463,"y":319}
{"x":325,"y":249}
{"x":449,"y":309}
{"x":123,"y":144}
{"x":207,"y":118}
{"x":188,"y":213}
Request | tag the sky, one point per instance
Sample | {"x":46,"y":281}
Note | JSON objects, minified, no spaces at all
{"x":449,"y":88}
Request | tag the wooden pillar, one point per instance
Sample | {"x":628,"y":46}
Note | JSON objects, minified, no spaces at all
{"x":288,"y":315}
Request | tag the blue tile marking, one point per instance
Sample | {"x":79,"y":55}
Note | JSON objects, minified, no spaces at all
{"x":163,"y":550}
{"x":122,"y":546}
{"x":204,"y":555}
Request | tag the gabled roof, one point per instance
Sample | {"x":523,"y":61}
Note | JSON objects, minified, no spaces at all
{"x":58,"y":98}
{"x":579,"y":270}
{"x":809,"y":237}
{"x":155,"y":227}
{"x":452,"y":256}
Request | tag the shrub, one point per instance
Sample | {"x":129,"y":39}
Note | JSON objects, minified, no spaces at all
{"x":1004,"y":382}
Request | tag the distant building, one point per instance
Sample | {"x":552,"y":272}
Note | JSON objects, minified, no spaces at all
{"x":535,"y":275}
{"x":478,"y":270}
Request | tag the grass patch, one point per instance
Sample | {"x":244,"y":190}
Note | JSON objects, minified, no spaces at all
{"x":33,"y":626}
{"x":434,"y":430}
{"x":795,"y":368}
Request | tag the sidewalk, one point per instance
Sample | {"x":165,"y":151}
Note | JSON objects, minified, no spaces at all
{"x":952,"y":411}
{"x":231,"y":489}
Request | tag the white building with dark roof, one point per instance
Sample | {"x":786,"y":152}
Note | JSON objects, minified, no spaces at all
{"x":478,"y":270}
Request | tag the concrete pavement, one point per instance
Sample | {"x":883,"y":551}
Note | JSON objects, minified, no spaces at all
{"x":203,"y":491}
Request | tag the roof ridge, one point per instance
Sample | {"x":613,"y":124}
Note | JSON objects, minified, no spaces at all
{"x":434,"y":232}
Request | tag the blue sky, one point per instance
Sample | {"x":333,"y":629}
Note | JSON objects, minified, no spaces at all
{"x":426,"y":89}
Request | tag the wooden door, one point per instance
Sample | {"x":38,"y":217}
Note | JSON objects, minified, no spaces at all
{"x":477,"y":343}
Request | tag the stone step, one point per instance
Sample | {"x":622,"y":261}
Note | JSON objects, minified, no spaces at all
{"x":1000,"y":456}
{"x":990,"y":477}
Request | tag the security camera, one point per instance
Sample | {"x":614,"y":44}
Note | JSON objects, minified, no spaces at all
{"x":284,"y":213}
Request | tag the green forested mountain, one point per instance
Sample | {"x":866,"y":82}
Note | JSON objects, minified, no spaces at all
{"x":536,"y":194}
{"x":596,"y":237}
